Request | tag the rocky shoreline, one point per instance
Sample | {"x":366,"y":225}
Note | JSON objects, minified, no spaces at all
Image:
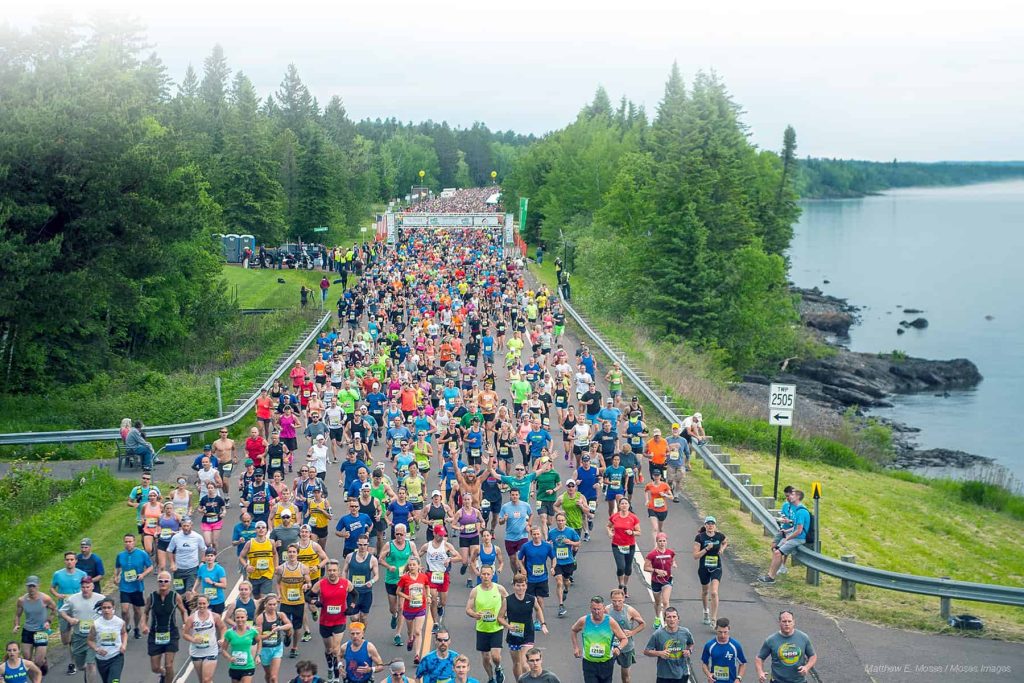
{"x":849,"y":378}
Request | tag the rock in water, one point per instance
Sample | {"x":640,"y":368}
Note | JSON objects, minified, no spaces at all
{"x":990,"y":317}
{"x":918,"y":323}
{"x":912,"y":311}
{"x":900,"y":330}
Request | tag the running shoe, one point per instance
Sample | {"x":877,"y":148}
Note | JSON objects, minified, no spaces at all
{"x":657,"y":623}
{"x":416,"y":660}
{"x":408,"y":646}
{"x":292,"y":654}
{"x":398,"y":641}
{"x":766,"y":579}
{"x":783,"y":569}
{"x":71,"y":669}
{"x":137,"y":635}
{"x":469,"y":583}
{"x":499,"y":674}
{"x":307,"y":636}
{"x":562,"y":611}
{"x":435,"y":628}
{"x":586,"y":537}
{"x":707,"y":618}
{"x":462,"y":570}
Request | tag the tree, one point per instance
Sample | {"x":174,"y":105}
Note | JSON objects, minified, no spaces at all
{"x":294,"y":100}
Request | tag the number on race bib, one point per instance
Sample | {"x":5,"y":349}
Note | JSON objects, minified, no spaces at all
{"x":517,"y":629}
{"x":293,"y":594}
{"x":263,"y":563}
{"x":40,"y":637}
{"x":597,"y":650}
{"x":539,"y":570}
{"x":562,"y":553}
{"x":84,"y":625}
{"x":711,"y":561}
{"x":437,"y":578}
{"x":108,"y":638}
{"x":658,"y":502}
{"x":258,"y":508}
{"x":334,"y":609}
{"x":625,"y":549}
{"x":469,"y":528}
{"x":722,"y":673}
{"x":210,"y":591}
{"x":179,"y":584}
{"x":162,"y":638}
{"x":359,"y":580}
{"x":239,"y":657}
{"x":485,"y":504}
{"x":592,"y":504}
{"x":130,"y":575}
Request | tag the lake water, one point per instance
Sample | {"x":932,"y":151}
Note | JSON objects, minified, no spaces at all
{"x":957,"y":254}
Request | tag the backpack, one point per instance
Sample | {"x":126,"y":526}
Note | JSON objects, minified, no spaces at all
{"x":810,"y":531}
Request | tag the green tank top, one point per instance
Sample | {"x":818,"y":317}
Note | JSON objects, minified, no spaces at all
{"x":240,"y":648}
{"x":488,"y":603}
{"x":573,"y":513}
{"x":597,"y":640}
{"x":378,"y":493}
{"x":397,"y":558}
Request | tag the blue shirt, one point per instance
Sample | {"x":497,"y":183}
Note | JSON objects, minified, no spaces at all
{"x":397,"y":436}
{"x":723,"y":657}
{"x":558,"y":540}
{"x":241,"y":533}
{"x":520,"y":484}
{"x":587,"y":478}
{"x":517,"y":515}
{"x":488,"y":345}
{"x":357,"y":525}
{"x":215,"y":575}
{"x":613,"y":475}
{"x":787,"y":510}
{"x":535,"y":560}
{"x":801,"y":516}
{"x":611,"y":415}
{"x":399,"y":513}
{"x":376,"y":400}
{"x":351,"y":470}
{"x":538,"y":440}
{"x":68,"y":583}
{"x":136,"y":561}
{"x":433,"y":669}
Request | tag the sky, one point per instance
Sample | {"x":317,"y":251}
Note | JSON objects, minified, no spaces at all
{"x":867,"y":79}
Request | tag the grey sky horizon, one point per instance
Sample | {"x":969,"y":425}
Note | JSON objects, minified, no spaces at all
{"x":880,"y":80}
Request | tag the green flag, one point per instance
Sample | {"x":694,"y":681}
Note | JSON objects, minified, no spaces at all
{"x":523,"y":201}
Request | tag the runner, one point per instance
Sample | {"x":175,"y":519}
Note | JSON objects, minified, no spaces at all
{"x":274,"y":629}
{"x":656,"y":493}
{"x":79,"y":611}
{"x":211,"y":580}
{"x":414,"y":591}
{"x":131,"y":567}
{"x":438,"y":666}
{"x":566,"y":542}
{"x":292,"y":584}
{"x":602,"y":642}
{"x":515,"y":516}
{"x":203,"y":632}
{"x":108,"y":639}
{"x":17,"y":669}
{"x":240,"y":645}
{"x":659,"y":563}
{"x":468,"y":522}
{"x":224,"y":452}
{"x":623,"y":529}
{"x":631,"y":623}
{"x":169,"y":525}
{"x":211,"y":509}
{"x":311,"y":554}
{"x":672,"y":644}
{"x":393,"y":559}
{"x":792,"y":654}
{"x":360,"y":655}
{"x":259,"y":558}
{"x":536,"y":557}
{"x":334,"y":591}
{"x":363,"y":570}
{"x":587,"y":477}
{"x":487,"y":604}
{"x":437,"y":563}
{"x":708,"y":546}
{"x":35,"y":632}
{"x":522,"y":615}
{"x":722,"y":658}
{"x":186,"y":550}
{"x":161,"y":627}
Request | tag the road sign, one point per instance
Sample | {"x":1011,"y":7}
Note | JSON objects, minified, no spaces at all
{"x":782,"y":396}
{"x":363,"y":229}
{"x":780,"y":418}
{"x":322,"y":228}
{"x":781,"y":405}
{"x":816,"y":489}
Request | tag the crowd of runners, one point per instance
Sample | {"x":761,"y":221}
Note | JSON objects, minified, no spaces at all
{"x":393,"y":458}
{"x":468,"y":200}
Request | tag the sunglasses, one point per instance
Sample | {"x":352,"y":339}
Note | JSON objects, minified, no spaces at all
{"x":442,"y":640}
{"x":163,"y":581}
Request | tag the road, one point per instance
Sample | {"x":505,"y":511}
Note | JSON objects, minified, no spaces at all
{"x":848,"y":650}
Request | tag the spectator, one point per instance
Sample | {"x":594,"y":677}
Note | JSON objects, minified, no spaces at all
{"x":136,"y":444}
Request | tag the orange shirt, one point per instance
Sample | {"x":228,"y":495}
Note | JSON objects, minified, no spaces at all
{"x":658,"y":450}
{"x":657,"y":495}
{"x":408,"y":400}
{"x":320,"y":368}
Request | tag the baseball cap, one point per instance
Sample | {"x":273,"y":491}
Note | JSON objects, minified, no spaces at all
{"x":698,"y":417}
{"x":261,"y":524}
{"x":586,"y":458}
{"x":207,"y":448}
{"x":710,"y":520}
{"x":435,"y":492}
{"x":210,"y":551}
{"x":365,"y":486}
{"x":248,"y":461}
{"x":440,"y":531}
{"x":86,"y":579}
{"x":286,"y":513}
{"x":86,"y":541}
{"x":32,"y":581}
{"x":675,"y":425}
{"x":259,"y":471}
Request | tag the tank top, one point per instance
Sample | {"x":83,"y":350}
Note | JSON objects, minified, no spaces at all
{"x":168,"y":525}
{"x":291,"y":585}
{"x":378,"y":492}
{"x":333,"y":596}
{"x":271,"y":638}
{"x":206,"y":637}
{"x":623,"y":619}
{"x":212,"y":508}
{"x":435,"y":515}
{"x":488,"y":604}
{"x":15,"y":674}
{"x":369,"y":509}
{"x":207,"y":477}
{"x":309,"y":557}
{"x":355,"y":658}
{"x":151,"y":519}
{"x":359,"y":572}
{"x":35,"y":614}
{"x":487,"y":559}
{"x":470,"y":520}
{"x":436,"y":562}
{"x":278,"y":509}
{"x":414,"y":485}
{"x":181,"y":502}
{"x":318,"y":513}
{"x":597,"y":640}
{"x":519,"y":614}
{"x":397,"y":558}
{"x":261,"y":556}
{"x":108,"y":636}
{"x":250,"y":610}
{"x":162,"y":614}
{"x":573,"y":513}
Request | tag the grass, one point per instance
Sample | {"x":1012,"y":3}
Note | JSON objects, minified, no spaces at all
{"x":887,"y":520}
{"x":255,"y":288}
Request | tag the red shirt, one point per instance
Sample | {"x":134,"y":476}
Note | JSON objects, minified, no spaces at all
{"x":334,"y":601}
{"x":263,"y":407}
{"x":662,"y":560}
{"x":620,"y":525}
{"x":298,"y":375}
{"x":416,"y":588}
{"x":255,"y":448}
{"x":306,"y":391}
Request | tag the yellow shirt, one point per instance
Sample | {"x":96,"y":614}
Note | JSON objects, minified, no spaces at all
{"x":290,"y":585}
{"x":261,"y":556}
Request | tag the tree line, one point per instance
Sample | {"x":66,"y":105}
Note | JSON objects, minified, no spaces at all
{"x":678,"y":224}
{"x":113,"y":178}
{"x":842,"y":178}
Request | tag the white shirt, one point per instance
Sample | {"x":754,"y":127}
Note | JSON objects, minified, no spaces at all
{"x":187,"y":549}
{"x":319,"y":458}
{"x":108,"y":636}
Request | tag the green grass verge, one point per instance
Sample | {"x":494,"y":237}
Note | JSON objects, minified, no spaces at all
{"x":888,"y":520}
{"x":255,"y":288}
{"x":52,"y":519}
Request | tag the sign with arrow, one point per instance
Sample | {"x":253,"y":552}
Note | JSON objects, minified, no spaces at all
{"x":781,"y":404}
{"x":780,"y":418}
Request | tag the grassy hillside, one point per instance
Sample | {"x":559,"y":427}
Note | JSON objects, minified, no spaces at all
{"x":255,"y":288}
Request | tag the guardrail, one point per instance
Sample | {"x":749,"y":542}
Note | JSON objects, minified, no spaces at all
{"x":850,"y":573}
{"x":242,"y":408}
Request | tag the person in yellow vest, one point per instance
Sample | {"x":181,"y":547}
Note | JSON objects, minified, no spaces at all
{"x":311,"y":554}
{"x":292,"y":583}
{"x":259,"y":557}
{"x":486,"y":604}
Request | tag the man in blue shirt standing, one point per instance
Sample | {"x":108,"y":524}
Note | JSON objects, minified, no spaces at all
{"x":792,"y":538}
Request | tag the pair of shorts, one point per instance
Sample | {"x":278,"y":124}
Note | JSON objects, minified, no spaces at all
{"x":546,"y":507}
{"x":261,"y":587}
{"x":208,"y":658}
{"x":391,"y":588}
{"x":515,"y":644}
{"x":566,"y":570}
{"x":485,"y":642}
{"x":330,"y":631}
{"x":538,"y":589}
{"x":789,"y":547}
{"x":29,"y":637}
{"x":440,"y":587}
{"x":239,"y":674}
{"x":81,"y":653}
{"x":414,"y":614}
{"x":656,"y":586}
{"x":154,"y":650}
{"x":269,"y":654}
{"x":291,"y":442}
{"x":626,"y":659}
{"x":363,"y":603}
{"x":707,"y":576}
{"x":64,"y":626}
{"x":512,"y":547}
{"x":337,"y":434}
{"x":295,"y":613}
{"x":469,"y":541}
{"x":215,"y":526}
{"x":660,"y":515}
{"x":134,"y":598}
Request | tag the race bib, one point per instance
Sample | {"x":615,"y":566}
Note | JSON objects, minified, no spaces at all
{"x":293,"y":594}
{"x":165,"y":534}
{"x":539,"y":570}
{"x":40,"y":637}
{"x":722,"y":673}
{"x":516,"y":628}
{"x":334,"y":609}
{"x":84,"y":625}
{"x":228,"y":467}
{"x":625,"y":549}
{"x":471,"y":528}
{"x":212,"y":519}
{"x":658,"y":502}
{"x":275,"y":463}
{"x":615,"y":483}
{"x":270,"y":638}
{"x":487,"y":616}
{"x":239,"y":657}
{"x":130,"y":575}
{"x":416,"y":596}
{"x":485,"y":504}
{"x":711,"y":561}
{"x":151,"y":523}
{"x":562,"y":553}
{"x":179,"y":584}
{"x":437,"y":578}
{"x":258,"y":508}
{"x":359,"y":580}
{"x":210,"y":591}
{"x":162,"y":638}
{"x":202,"y":640}
{"x":108,"y":638}
{"x":474,"y":452}
{"x":592,"y":504}
{"x":629,"y":471}
{"x":263,"y":563}
{"x":597,"y":650}
{"x":635,"y":440}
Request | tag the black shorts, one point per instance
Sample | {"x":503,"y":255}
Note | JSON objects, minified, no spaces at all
{"x":291,"y":442}
{"x":488,"y":641}
{"x":321,"y":380}
{"x":294,"y":613}
{"x":239,"y":674}
{"x":565,"y":570}
{"x":363,"y":603}
{"x":707,"y":577}
{"x":489,"y":417}
{"x":469,"y":541}
{"x":154,"y":650}
{"x":660,"y":515}
{"x":546,"y":507}
{"x":29,"y":637}
{"x":320,"y":532}
{"x":391,"y":588}
{"x":538,"y":589}
{"x":656,"y":585}
{"x":135,"y":598}
{"x":328,"y":631}
{"x":337,"y":434}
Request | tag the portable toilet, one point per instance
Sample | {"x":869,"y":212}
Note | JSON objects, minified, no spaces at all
{"x":233,"y":247}
{"x":248,"y":241}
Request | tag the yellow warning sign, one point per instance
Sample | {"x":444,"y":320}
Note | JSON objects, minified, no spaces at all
{"x":816,"y":489}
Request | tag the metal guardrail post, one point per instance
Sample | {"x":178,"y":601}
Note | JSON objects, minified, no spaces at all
{"x":847,"y":588}
{"x":945,"y":608}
